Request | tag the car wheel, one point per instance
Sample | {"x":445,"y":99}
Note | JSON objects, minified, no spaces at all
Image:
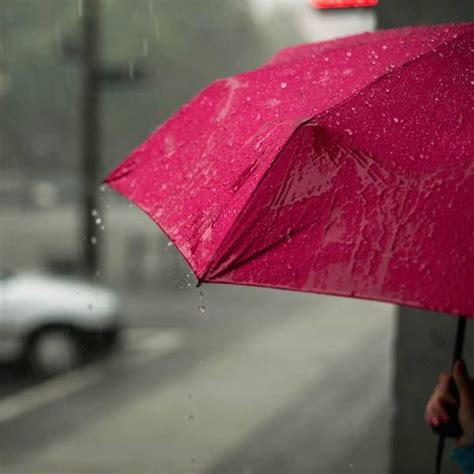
{"x":54,"y":350}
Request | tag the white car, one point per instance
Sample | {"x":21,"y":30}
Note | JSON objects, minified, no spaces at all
{"x":54,"y":322}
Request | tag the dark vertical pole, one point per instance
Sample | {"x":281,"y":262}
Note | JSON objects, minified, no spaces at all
{"x":90,"y":134}
{"x":453,"y":430}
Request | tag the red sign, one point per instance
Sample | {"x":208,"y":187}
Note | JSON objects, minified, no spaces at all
{"x":342,"y":3}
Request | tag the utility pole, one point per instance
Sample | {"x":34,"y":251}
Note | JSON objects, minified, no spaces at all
{"x":90,"y":133}
{"x":85,"y":48}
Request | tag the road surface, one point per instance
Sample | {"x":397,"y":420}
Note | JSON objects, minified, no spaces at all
{"x":262,"y":381}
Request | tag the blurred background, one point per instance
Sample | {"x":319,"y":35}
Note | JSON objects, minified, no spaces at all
{"x":111,"y":361}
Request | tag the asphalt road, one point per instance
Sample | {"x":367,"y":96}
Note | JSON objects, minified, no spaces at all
{"x":262,"y":381}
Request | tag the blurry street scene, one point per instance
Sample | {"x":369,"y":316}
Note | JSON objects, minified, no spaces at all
{"x":111,"y":360}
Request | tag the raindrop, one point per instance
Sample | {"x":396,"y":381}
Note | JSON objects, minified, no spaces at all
{"x":326,"y":59}
{"x":202,"y":308}
{"x":283,"y":85}
{"x":384,"y":46}
{"x":348,"y":131}
{"x":395,"y":119}
{"x":472,"y":83}
{"x":93,"y":240}
{"x":348,"y":54}
{"x":131,"y":69}
{"x":80,"y":8}
{"x":102,"y":188}
{"x":94,"y":213}
{"x":98,"y":221}
{"x":169,"y":244}
{"x":157,"y":31}
{"x":145,"y":47}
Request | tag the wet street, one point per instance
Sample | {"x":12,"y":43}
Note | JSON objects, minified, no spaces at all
{"x":257,"y":381}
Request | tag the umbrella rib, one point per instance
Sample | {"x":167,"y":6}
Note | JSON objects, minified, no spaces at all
{"x":236,"y":264}
{"x":214,"y":262}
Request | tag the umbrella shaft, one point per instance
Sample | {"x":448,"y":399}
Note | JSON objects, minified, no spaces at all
{"x":459,"y":344}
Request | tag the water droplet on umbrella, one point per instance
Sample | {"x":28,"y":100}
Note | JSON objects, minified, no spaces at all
{"x":283,"y":85}
{"x":348,"y":131}
{"x":395,"y":119}
{"x":348,"y":54}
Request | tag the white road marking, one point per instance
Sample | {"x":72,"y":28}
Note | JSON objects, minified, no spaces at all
{"x":38,"y":395}
{"x":147,"y":343}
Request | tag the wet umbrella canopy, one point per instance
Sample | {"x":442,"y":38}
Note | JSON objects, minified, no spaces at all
{"x":344,"y":167}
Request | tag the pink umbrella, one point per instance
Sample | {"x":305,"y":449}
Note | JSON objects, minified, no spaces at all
{"x":344,"y":167}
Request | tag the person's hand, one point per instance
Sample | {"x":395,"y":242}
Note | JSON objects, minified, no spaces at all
{"x":436,"y":413}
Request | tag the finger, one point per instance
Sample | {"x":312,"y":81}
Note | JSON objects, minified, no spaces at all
{"x":432,"y":421}
{"x":463,"y":382}
{"x":435,"y":410}
{"x":443,"y":382}
{"x":448,"y":399}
